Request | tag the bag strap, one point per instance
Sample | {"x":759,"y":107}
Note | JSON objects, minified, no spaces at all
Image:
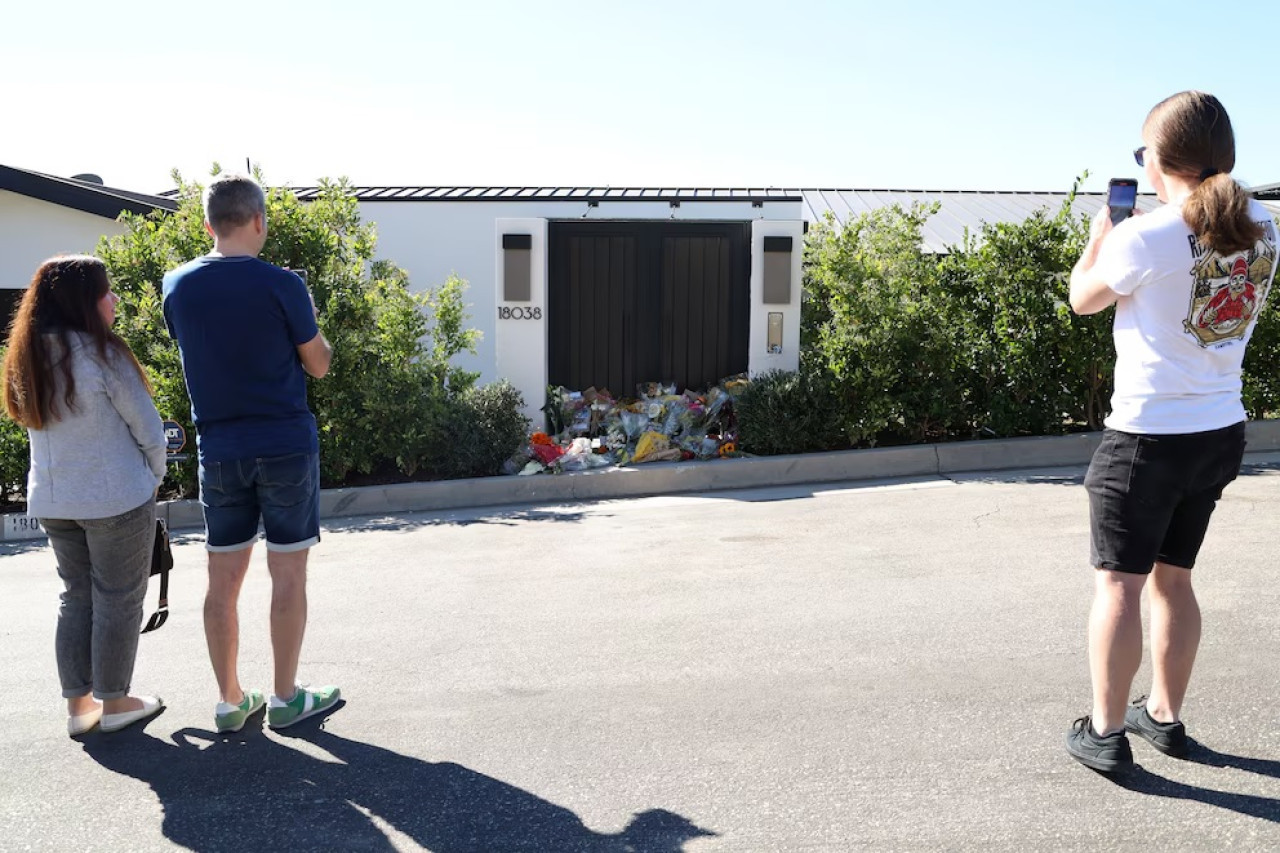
{"x":162,"y":560}
{"x":161,"y":615}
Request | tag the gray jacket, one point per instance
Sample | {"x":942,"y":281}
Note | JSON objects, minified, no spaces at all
{"x":106,"y":457}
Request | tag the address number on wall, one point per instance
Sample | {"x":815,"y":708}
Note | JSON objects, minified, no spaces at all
{"x":21,"y":527}
{"x":519,"y":312}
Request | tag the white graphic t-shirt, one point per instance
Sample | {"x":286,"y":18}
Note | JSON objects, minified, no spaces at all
{"x":1182,"y":321}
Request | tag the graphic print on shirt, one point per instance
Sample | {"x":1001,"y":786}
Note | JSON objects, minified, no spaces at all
{"x":1230,"y":289}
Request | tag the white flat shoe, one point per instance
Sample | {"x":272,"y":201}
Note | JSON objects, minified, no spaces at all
{"x":79,"y":724}
{"x":151,"y":705}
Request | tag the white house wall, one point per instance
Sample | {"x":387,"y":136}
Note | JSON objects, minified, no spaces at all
{"x":760,"y":357}
{"x":520,"y":339}
{"x":32,"y":231}
{"x":432,"y":239}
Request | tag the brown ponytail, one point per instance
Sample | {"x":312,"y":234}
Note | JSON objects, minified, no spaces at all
{"x":1217,"y":212}
{"x":1192,"y":136}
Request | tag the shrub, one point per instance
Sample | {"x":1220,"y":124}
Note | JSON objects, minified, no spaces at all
{"x":1031,"y":366}
{"x":979,"y":342}
{"x":14,"y":458}
{"x":880,"y":327}
{"x":484,"y":428}
{"x":1261,"y":376}
{"x":790,"y":412}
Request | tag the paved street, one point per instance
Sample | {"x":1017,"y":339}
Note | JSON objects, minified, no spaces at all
{"x":862,"y":667}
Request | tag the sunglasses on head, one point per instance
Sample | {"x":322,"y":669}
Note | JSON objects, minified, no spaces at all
{"x":1139,"y":154}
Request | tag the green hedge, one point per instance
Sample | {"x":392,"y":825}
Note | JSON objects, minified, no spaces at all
{"x":904,"y":346}
{"x":785,"y":412}
{"x":13,"y":458}
{"x":484,"y":428}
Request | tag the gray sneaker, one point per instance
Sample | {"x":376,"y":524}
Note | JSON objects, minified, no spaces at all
{"x":1169,"y":738}
{"x":231,"y":718}
{"x":305,"y":702}
{"x":1108,"y":754}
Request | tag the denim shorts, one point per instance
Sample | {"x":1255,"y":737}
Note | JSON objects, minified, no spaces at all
{"x":281,"y":491}
{"x":1151,"y":496}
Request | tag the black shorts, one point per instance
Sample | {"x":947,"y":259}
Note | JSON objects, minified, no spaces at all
{"x":1150,"y":496}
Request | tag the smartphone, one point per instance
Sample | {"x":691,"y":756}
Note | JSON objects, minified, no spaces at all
{"x":302,"y":274}
{"x":1122,"y":195}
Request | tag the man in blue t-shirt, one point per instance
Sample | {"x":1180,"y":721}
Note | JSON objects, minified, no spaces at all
{"x":247,"y":334}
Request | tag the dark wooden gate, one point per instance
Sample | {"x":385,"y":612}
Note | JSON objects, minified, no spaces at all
{"x":633,"y":302}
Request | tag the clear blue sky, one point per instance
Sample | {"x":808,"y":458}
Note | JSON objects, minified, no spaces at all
{"x":929,"y":95}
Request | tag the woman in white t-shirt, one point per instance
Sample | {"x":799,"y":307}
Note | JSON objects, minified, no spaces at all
{"x":1188,"y":281}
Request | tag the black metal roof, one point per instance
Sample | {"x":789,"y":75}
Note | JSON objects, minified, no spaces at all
{"x":961,"y":209}
{"x":671,"y":193}
{"x":89,"y":197}
{"x":407,"y":193}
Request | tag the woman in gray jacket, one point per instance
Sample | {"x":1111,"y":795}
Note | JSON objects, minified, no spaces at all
{"x":97,"y":459}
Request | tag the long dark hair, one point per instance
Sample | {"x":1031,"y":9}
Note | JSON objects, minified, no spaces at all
{"x":62,"y":298}
{"x":1192,"y":136}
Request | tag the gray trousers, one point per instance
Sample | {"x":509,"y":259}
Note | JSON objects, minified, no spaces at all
{"x":104,"y":564}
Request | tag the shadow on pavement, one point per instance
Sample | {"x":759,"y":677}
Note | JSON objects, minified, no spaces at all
{"x":237,"y":792}
{"x":452,"y":518}
{"x":1143,"y":781}
{"x":1201,"y":754}
{"x":1261,"y":467}
{"x":22,"y":546}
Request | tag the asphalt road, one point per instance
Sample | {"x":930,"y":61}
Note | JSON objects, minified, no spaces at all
{"x":871,"y":667}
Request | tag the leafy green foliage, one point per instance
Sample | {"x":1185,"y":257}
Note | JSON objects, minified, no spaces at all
{"x":1031,"y":366}
{"x":980,"y":342}
{"x":784,"y":412}
{"x":14,"y":456}
{"x":485,"y":428}
{"x":879,"y":324}
{"x":1261,"y":376}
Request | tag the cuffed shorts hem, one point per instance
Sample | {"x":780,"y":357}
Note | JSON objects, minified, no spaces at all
{"x":76,"y":693}
{"x":227,"y":549}
{"x":1112,"y":566}
{"x":114,"y":694}
{"x":292,"y":546}
{"x":282,"y":493}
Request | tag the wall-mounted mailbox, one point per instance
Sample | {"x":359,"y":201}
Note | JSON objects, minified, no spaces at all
{"x":517,"y":252}
{"x":777,"y":271}
{"x":774,"y":337}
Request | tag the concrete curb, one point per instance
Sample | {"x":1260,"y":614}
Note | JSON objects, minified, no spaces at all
{"x":941,"y":460}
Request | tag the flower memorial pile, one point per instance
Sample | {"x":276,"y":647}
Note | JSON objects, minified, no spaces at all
{"x":595,"y":430}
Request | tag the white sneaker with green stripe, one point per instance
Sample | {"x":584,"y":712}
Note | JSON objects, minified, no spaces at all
{"x":231,"y":718}
{"x":306,"y":702}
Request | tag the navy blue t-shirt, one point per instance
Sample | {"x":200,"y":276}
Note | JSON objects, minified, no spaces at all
{"x":238,"y":322}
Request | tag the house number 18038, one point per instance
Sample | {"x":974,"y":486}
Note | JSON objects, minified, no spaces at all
{"x":519,"y":313}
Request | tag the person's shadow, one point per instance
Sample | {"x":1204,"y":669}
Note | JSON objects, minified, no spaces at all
{"x":1145,"y":782}
{"x":241,"y":791}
